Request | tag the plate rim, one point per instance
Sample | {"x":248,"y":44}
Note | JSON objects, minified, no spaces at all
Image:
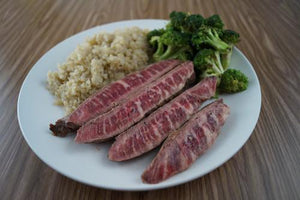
{"x":146,"y":187}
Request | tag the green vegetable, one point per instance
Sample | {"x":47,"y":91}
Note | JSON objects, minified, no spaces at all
{"x":214,"y":21}
{"x":184,"y":53}
{"x":171,"y":44}
{"x":177,"y":19}
{"x":155,"y":32}
{"x":233,"y":81}
{"x":203,"y":40}
{"x":193,"y":23}
{"x":185,"y":22}
{"x":208,"y":63}
{"x":207,"y":36}
{"x":231,"y":38}
{"x":157,"y":45}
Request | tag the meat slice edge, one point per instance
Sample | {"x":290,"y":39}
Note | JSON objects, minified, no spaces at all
{"x":110,"y":96}
{"x":185,"y":145}
{"x":150,"y":132}
{"x":125,"y":115}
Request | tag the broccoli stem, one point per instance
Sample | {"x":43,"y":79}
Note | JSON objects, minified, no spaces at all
{"x":226,"y":58}
{"x":219,"y":64}
{"x":182,"y":52}
{"x":160,"y":47}
{"x":167,"y":53}
{"x":215,"y":41}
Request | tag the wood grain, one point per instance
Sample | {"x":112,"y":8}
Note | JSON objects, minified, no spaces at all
{"x":267,"y":167}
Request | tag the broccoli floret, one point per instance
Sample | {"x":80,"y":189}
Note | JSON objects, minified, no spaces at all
{"x":208,"y":63}
{"x":158,"y":45}
{"x":214,"y":21}
{"x":202,"y":59}
{"x":231,"y":38}
{"x":177,"y":19}
{"x":175,"y":38}
{"x":233,"y":81}
{"x":185,"y":22}
{"x":172,"y":44}
{"x":210,"y":37}
{"x":184,"y":53}
{"x":193,"y":23}
{"x":155,"y":32}
{"x":153,"y":39}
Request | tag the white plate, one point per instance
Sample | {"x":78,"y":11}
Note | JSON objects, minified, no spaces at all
{"x":88,"y":163}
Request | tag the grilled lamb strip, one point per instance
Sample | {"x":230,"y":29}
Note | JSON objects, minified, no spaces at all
{"x":185,"y":145}
{"x":150,"y":132}
{"x":149,"y":98}
{"x":110,"y":96}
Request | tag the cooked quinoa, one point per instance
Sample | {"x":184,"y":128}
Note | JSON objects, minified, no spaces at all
{"x":103,"y":58}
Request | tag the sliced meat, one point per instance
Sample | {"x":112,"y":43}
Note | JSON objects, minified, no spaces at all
{"x":125,"y":115}
{"x":150,"y":132}
{"x":185,"y":145}
{"x":110,"y":96}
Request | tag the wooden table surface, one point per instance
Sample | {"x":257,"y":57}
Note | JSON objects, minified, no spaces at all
{"x":267,"y":166}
